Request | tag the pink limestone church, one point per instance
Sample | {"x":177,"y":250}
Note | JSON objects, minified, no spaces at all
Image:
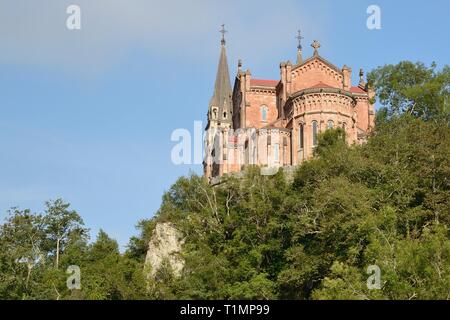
{"x":275,"y":123}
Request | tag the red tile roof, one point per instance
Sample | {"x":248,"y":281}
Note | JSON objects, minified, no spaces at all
{"x":274,"y":83}
{"x":320,"y":85}
{"x":357,"y":90}
{"x":263,"y":83}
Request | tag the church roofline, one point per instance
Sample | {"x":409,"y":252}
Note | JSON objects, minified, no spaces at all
{"x":319,"y":57}
{"x":321,"y":90}
{"x":358,"y":90}
{"x":320,"y":85}
{"x":264,"y":83}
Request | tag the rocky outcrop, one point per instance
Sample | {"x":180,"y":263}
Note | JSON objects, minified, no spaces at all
{"x":164,"y":247}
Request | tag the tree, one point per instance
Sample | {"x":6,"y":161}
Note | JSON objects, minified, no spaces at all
{"x":108,"y":275}
{"x":61,"y":225}
{"x":21,"y":239}
{"x":414,"y":89}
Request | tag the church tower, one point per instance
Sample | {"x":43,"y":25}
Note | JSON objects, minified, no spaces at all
{"x":219,"y":116}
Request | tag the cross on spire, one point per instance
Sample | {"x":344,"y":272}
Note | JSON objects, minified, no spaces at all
{"x":299,"y":47}
{"x":316,"y":46}
{"x":361,"y":77}
{"x":299,"y":38}
{"x":223,"y":31}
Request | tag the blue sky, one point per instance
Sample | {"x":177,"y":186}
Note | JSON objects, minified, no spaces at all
{"x":87,"y":115}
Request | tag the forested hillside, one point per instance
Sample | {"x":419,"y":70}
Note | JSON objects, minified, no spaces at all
{"x":385,"y":203}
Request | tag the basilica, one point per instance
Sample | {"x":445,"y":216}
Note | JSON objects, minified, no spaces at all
{"x":275,"y":123}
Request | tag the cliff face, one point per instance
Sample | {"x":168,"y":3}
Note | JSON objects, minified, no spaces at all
{"x":164,"y":247}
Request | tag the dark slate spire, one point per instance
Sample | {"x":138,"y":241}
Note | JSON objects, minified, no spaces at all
{"x":221,"y":99}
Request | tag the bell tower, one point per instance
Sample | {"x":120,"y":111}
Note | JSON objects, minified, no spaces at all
{"x":219,"y":116}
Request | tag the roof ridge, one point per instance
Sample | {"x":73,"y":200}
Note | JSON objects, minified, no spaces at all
{"x":264,"y":82}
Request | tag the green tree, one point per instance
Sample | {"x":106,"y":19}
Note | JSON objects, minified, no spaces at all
{"x":109,"y":275}
{"x":414,"y":89}
{"x":21,"y":239}
{"x":62,"y":225}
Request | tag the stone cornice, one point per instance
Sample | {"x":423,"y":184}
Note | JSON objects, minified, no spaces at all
{"x":263,"y":90}
{"x":320,"y":90}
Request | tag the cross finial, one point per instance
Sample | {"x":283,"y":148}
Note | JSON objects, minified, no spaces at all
{"x":223,"y":31}
{"x":316,"y":46}
{"x":361,"y":77}
{"x":299,"y":38}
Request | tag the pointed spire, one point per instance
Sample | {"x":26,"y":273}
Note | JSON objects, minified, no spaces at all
{"x":221,"y":99}
{"x":299,"y":47}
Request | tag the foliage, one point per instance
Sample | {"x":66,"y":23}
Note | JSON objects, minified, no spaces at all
{"x":310,"y":235}
{"x":414,"y":89}
{"x":27,"y":260}
{"x":384,"y":203}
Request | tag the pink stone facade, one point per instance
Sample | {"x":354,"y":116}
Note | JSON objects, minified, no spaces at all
{"x":275,"y":123}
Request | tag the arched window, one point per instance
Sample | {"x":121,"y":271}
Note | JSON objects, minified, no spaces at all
{"x":224,"y":114}
{"x":330,"y":124}
{"x":315,"y":130}
{"x":300,"y":137}
{"x":263,"y":113}
{"x":344,"y":126}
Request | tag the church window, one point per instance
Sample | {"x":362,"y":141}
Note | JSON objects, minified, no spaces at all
{"x":300,"y":137}
{"x":344,"y":126}
{"x":264,"y":113}
{"x":225,"y":115}
{"x":214,"y":114}
{"x":276,"y":156}
{"x":315,"y":130}
{"x":330,"y":124}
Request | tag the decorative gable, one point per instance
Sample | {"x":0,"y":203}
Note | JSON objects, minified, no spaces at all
{"x":316,"y":70}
